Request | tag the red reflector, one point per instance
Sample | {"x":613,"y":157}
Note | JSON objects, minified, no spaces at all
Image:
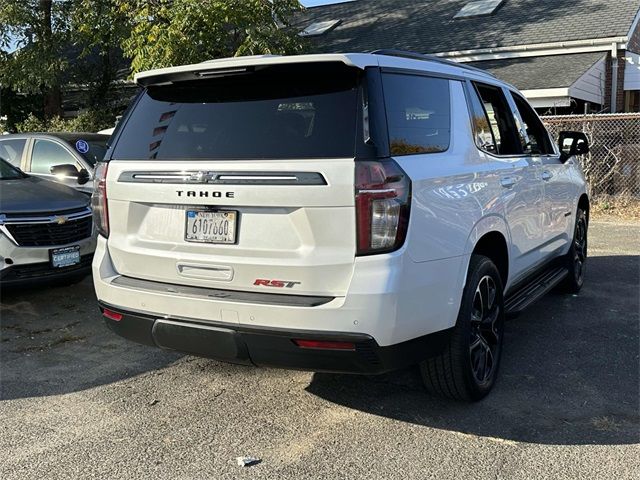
{"x":112,"y":315}
{"x":325,"y":345}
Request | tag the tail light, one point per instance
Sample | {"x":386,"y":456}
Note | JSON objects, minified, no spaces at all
{"x":99,"y":199}
{"x":111,"y":315}
{"x":383,"y":197}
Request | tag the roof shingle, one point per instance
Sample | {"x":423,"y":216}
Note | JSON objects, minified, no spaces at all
{"x":428,"y":26}
{"x":552,"y":71}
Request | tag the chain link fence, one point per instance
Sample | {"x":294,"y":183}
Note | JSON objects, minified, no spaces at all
{"x":612,"y":166}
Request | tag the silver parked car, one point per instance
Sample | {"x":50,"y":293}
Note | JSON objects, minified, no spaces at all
{"x":67,"y":158}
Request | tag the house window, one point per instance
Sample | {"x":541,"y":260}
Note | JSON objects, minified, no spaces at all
{"x":632,"y":101}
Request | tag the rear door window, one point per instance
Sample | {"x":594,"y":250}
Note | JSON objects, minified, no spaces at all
{"x":498,"y":119}
{"x":292,"y":112}
{"x":11,"y":150}
{"x":418,"y":113}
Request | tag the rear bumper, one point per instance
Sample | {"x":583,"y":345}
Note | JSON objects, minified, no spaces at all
{"x":272,"y":347}
{"x":390,"y":298}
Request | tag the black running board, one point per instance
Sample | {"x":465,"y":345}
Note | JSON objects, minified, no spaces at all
{"x":528,"y":293}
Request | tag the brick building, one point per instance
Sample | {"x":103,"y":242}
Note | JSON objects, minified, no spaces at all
{"x":567,"y":56}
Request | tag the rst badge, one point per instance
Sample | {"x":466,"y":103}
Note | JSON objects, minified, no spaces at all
{"x":275,"y":283}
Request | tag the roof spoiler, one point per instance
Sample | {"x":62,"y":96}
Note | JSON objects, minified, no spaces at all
{"x":238,"y":66}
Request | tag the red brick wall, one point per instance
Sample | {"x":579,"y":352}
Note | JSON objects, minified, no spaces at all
{"x":608,"y":78}
{"x":633,"y":45}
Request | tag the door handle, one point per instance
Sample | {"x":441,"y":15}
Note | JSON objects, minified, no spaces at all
{"x":508,"y":182}
{"x":546,"y":175}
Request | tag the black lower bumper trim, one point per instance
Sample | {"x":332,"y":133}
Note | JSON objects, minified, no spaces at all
{"x":23,"y":274}
{"x":273,"y":347}
{"x":201,"y":340}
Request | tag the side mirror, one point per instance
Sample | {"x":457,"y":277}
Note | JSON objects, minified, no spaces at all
{"x":572,"y":143}
{"x":65,"y":170}
{"x":83,"y":177}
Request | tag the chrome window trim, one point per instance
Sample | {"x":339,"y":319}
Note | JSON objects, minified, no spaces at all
{"x":224,"y":177}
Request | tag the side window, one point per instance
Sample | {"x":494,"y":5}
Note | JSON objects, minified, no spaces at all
{"x":499,"y":118}
{"x":486,"y":134}
{"x":46,"y":154}
{"x":11,"y":150}
{"x":418,"y":113}
{"x":538,"y":139}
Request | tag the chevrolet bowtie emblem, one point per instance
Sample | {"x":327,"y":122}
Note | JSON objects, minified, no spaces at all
{"x":201,"y":177}
{"x":60,"y":220}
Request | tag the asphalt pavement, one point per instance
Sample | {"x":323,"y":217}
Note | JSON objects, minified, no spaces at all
{"x":76,"y":401}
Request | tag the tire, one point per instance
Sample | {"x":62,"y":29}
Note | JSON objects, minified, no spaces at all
{"x":467,"y":367}
{"x":576,"y":259}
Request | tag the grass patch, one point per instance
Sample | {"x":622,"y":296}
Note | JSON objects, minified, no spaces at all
{"x":620,"y":206}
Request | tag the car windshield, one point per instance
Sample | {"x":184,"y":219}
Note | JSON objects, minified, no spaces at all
{"x":293,"y":112}
{"x":91,"y":149}
{"x":8,"y":171}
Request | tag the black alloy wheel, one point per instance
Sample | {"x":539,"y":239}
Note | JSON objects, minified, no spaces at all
{"x":467,"y":367}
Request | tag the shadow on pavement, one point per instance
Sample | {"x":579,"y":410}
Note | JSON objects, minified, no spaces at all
{"x":569,"y":375}
{"x":570,"y":371}
{"x":53,"y":341}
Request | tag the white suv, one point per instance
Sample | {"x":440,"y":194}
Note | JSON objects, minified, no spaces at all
{"x":339,"y":212}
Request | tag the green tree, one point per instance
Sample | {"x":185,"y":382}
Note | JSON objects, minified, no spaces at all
{"x":172,"y":32}
{"x":40,"y":30}
{"x":98,"y":29}
{"x":78,"y":45}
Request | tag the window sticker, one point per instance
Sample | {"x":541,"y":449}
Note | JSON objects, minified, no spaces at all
{"x":82,"y":146}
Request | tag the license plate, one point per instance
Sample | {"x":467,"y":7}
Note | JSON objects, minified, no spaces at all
{"x":208,"y":226}
{"x":65,"y":257}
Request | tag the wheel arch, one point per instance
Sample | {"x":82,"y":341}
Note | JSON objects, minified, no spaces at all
{"x":494,"y":246}
{"x":584,"y":204}
{"x":490,"y":237}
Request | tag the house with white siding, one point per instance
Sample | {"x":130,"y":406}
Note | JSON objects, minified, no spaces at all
{"x":567,"y":56}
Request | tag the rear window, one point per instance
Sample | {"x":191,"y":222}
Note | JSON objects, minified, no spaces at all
{"x":300,"y":111}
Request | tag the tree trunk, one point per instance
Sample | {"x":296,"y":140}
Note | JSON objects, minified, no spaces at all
{"x":100,"y":97}
{"x":52,"y":94}
{"x":52,"y":102}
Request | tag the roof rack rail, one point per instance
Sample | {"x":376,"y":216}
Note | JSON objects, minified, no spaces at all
{"x":428,"y":58}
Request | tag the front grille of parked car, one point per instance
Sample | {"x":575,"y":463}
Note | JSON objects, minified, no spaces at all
{"x":50,"y":233}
